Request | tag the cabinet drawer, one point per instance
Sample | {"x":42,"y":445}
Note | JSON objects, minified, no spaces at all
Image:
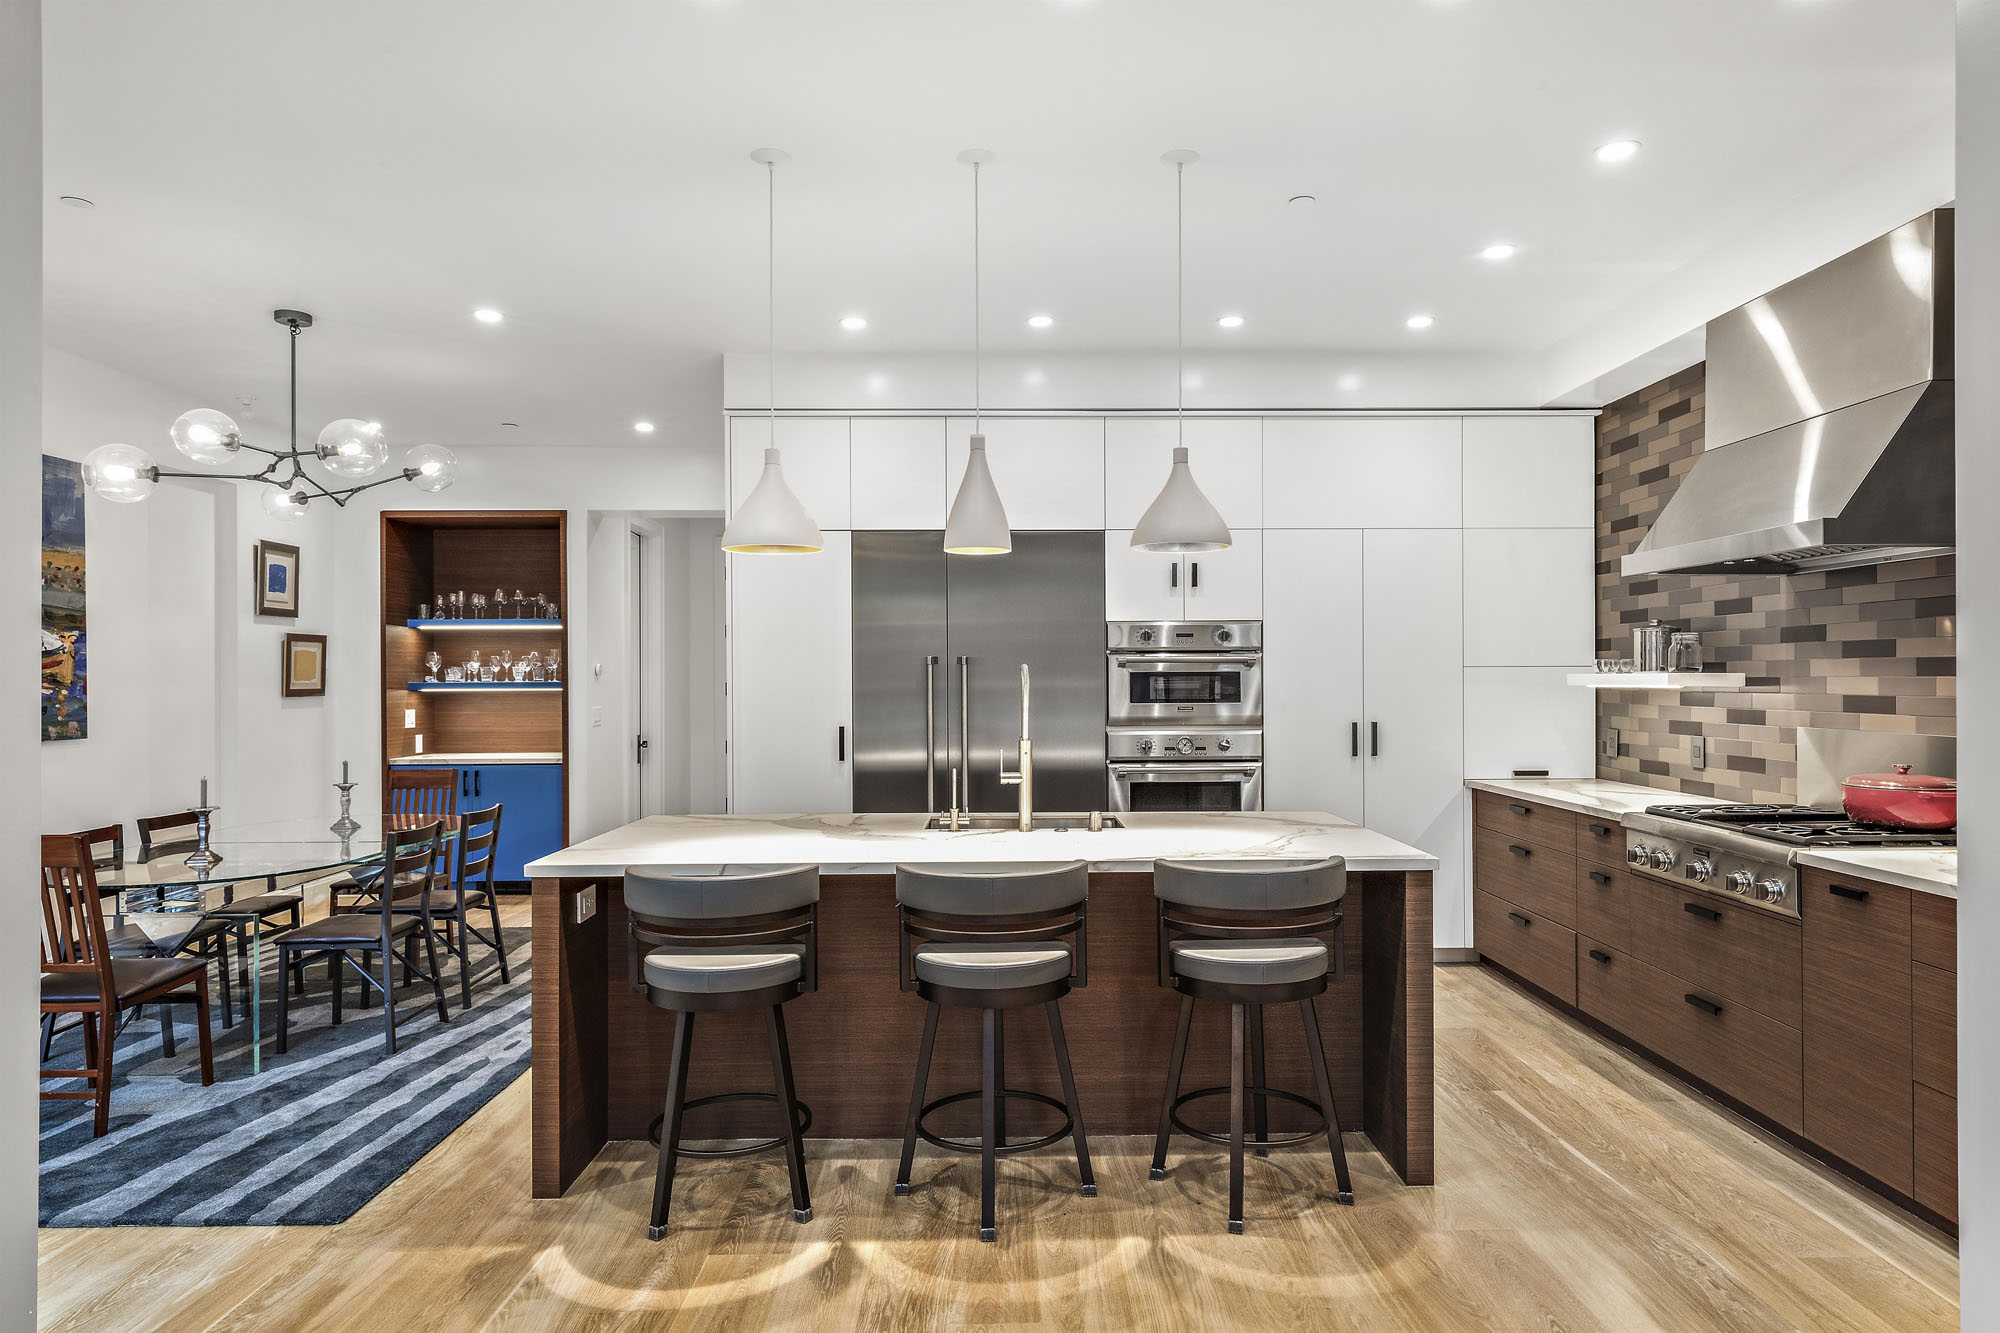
{"x":1605,"y":980}
{"x":1937,"y":1152}
{"x":1526,"y":873}
{"x":1604,"y":899}
{"x":1725,"y":1043}
{"x":1526,"y":943}
{"x":1934,"y":1027}
{"x":1525,"y":821}
{"x":1600,"y":838}
{"x":1727,"y":951}
{"x":1857,"y":1023}
{"x":1934,"y":931}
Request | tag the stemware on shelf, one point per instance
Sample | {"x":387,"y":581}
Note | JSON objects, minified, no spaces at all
{"x":554,"y":664}
{"x":433,"y":659}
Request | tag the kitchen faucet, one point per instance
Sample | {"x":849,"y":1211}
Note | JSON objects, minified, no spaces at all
{"x":1025,"y":778}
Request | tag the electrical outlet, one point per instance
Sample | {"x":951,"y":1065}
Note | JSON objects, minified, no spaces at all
{"x":420,"y":743}
{"x":409,"y":719}
{"x":1697,"y":753}
{"x":586,"y":903}
{"x":1610,"y":743}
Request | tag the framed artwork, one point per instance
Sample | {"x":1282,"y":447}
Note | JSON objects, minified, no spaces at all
{"x":305,"y":665}
{"x":277,"y":567}
{"x":64,"y":660}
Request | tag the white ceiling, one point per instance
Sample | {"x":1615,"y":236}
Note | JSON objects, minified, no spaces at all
{"x":391,"y":164}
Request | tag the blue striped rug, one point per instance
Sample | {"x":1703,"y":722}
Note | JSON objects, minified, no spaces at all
{"x":321,"y":1131}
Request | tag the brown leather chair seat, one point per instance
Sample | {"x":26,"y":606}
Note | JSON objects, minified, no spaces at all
{"x":131,"y":976}
{"x":348,"y":930}
{"x":260,"y":903}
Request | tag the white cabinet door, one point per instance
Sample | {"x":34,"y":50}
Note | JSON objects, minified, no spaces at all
{"x":1530,"y":472}
{"x":815,"y":460}
{"x":1415,"y":736}
{"x":1530,"y":596}
{"x":1225,"y":585}
{"x":897,"y":474}
{"x":1527,"y":718}
{"x":790,"y":693}
{"x":1362,"y":472}
{"x":1314,"y":712}
{"x":1049,"y":470}
{"x":1141,"y":585}
{"x":1226,"y":455}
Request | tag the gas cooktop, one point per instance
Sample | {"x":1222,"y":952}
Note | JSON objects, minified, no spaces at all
{"x":1803,"y":825}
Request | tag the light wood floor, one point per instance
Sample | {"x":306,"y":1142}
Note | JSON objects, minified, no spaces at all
{"x":1577,"y":1190}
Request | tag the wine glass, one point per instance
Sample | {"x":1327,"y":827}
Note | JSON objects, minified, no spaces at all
{"x":433,"y":660}
{"x":506,"y":662}
{"x":479,"y":606}
{"x":554,"y":665}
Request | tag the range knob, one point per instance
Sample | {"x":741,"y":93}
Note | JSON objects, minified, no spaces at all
{"x":1771,"y":890}
{"x":1145,"y":745}
{"x":1185,"y":745}
{"x":1225,"y":635}
{"x":1664,"y":858}
{"x":1741,"y":881}
{"x":1639,"y":854}
{"x":1223,"y":742}
{"x":1145,"y":636}
{"x":1700,"y":868}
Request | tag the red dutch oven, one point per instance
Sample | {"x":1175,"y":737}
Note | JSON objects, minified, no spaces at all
{"x":1901,"y":800}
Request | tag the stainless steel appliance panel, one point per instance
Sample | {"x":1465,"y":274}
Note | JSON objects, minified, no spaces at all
{"x":1205,"y":689}
{"x":900,"y":673}
{"x":1186,"y":636}
{"x":1184,"y":785}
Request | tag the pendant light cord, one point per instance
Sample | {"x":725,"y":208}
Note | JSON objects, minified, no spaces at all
{"x":771,"y":295}
{"x":1180,"y":320}
{"x":975,"y":300}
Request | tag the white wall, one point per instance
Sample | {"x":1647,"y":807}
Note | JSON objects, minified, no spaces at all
{"x":20,"y":606}
{"x":1979,"y":668}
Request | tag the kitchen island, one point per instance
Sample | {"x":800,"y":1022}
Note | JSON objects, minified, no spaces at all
{"x":600,"y":1050}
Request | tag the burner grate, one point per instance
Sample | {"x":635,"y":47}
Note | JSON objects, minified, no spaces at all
{"x":1845,"y":834}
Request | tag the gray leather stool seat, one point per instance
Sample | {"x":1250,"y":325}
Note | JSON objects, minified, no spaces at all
{"x":721,"y":971}
{"x":991,"y":966}
{"x":1249,"y":962}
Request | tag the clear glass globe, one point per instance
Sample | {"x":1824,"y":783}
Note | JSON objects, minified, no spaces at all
{"x":122,"y":473}
{"x":206,"y":436}
{"x":352,"y":448}
{"x":434,"y":465}
{"x":282,"y":504}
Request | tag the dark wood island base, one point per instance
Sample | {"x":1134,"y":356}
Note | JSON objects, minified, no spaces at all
{"x":600,"y":1051}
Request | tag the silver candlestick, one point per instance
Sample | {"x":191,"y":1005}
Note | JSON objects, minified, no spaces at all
{"x":347,"y":825}
{"x":203,"y":856}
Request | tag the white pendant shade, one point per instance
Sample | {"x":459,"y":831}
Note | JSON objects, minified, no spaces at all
{"x":1181,"y":518}
{"x":978,"y":522}
{"x":772,"y":521}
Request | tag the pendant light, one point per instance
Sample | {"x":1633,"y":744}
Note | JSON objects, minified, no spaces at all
{"x":1181,"y":518}
{"x":978,"y":522}
{"x":772,"y":521}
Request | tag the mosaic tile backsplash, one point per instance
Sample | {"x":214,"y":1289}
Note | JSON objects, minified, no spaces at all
{"x":1867,"y":649}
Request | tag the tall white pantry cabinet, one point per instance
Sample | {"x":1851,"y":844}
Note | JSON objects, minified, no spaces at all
{"x":1425,"y":583}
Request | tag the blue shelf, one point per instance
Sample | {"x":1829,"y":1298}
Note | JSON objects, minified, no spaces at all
{"x":470,"y":686}
{"x":551,"y":625}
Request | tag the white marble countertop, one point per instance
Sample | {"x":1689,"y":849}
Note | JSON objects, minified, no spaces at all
{"x":1925,"y":869}
{"x":494,"y":757}
{"x":875,"y":844}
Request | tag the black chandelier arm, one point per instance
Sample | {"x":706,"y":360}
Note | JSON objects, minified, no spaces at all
{"x":158,"y":472}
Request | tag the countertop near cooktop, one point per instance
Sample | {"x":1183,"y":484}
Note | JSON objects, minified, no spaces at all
{"x":1925,"y":869}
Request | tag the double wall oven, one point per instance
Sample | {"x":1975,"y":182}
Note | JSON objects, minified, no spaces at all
{"x":1184,"y":716}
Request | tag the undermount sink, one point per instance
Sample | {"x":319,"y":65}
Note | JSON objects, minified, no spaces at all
{"x":1042,"y":823}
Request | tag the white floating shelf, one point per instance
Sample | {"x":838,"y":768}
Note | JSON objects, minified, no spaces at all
{"x":1658,"y":680}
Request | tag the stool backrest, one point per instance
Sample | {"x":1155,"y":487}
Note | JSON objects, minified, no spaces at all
{"x":993,"y":904}
{"x":1224,"y":900}
{"x":767,"y":905}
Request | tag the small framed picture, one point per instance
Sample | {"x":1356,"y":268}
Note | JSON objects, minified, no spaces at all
{"x":305,"y":665}
{"x":277,"y":567}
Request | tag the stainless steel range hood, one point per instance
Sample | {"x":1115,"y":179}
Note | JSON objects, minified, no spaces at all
{"x":1829,"y":421}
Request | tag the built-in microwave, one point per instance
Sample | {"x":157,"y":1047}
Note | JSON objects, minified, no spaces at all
{"x":1173,"y":673}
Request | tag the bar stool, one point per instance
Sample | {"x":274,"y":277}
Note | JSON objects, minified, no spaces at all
{"x":725,"y":943}
{"x":1242,"y":932}
{"x":991,"y":938}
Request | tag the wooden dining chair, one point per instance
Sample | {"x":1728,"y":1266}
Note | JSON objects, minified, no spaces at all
{"x":410,"y":860}
{"x":411,"y":793}
{"x":279,"y":909}
{"x":80,"y":975}
{"x":478,"y":836}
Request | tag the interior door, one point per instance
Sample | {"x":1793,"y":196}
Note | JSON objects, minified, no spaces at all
{"x":1314,"y":703}
{"x":1414,"y":740}
{"x":790,"y":635}
{"x":901,"y":676}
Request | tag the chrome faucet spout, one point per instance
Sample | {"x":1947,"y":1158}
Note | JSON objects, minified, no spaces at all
{"x":1024,"y":777}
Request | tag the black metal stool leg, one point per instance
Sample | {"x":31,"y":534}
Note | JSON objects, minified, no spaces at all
{"x":1260,"y":1104}
{"x":788,"y":1106}
{"x":670,"y":1132}
{"x":1159,"y":1171}
{"x":989,"y":1122}
{"x":1237,"y":1023}
{"x":1318,"y":1053}
{"x":1083,"y":1171}
{"x":917,"y":1098}
{"x":1000,"y":1078}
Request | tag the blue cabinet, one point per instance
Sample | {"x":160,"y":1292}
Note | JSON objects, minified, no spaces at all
{"x":531,"y":818}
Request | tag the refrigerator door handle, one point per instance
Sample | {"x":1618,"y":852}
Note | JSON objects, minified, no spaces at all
{"x":930,"y":734}
{"x":965,"y":724}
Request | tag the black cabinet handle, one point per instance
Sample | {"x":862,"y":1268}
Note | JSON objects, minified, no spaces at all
{"x":1354,"y":740}
{"x":1705,"y":913}
{"x":1706,"y":1006}
{"x":840,"y":746}
{"x":1518,"y":919}
{"x":1600,"y":955}
{"x":1194,"y":573}
{"x":1521,"y":810}
{"x":465,"y":782}
{"x":1599,"y":877}
{"x":1601,"y":830}
{"x":475,"y":784}
{"x":1842,"y":891}
{"x":1374,"y":740}
{"x":1518,"y":849}
{"x":1174,"y":574}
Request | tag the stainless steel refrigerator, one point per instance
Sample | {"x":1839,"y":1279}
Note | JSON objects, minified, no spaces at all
{"x":938,"y":645}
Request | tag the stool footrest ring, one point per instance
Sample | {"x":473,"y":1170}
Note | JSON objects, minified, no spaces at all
{"x":654,"y":1130}
{"x":1249,"y":1141}
{"x":960,"y":1145}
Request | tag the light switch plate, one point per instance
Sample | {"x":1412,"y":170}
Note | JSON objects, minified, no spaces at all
{"x":586,"y":903}
{"x":420,"y":743}
{"x":409,"y":718}
{"x":1609,"y":746}
{"x":1697,"y":752}
{"x":596,"y":716}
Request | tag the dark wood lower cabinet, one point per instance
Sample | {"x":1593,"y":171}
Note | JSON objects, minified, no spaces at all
{"x":1743,"y":953}
{"x":1539,"y":878}
{"x":1604,"y":895}
{"x":1934,"y":1027}
{"x":1526,"y":943}
{"x":1937,"y":1151}
{"x":1857,"y":1024}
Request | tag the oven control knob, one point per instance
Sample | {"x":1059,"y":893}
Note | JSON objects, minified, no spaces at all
{"x":1225,"y":635}
{"x":1700,"y":868}
{"x":1639,"y":854}
{"x":1664,"y":858}
{"x":1185,"y":745}
{"x":1771,"y":890}
{"x":1223,"y":742}
{"x":1145,"y":745}
{"x":1145,"y":636}
{"x":1741,"y":881}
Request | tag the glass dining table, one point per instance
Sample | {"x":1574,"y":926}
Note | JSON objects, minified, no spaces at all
{"x":158,"y":890}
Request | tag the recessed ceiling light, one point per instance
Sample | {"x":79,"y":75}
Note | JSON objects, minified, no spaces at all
{"x":643,"y":427}
{"x":486,"y":314}
{"x":854,"y":323}
{"x":1418,"y":322}
{"x":1302,"y":200}
{"x":1618,"y":150}
{"x":1041,"y":321}
{"x":511,"y":425}
{"x":1231,"y":321}
{"x":1499,"y":251}
{"x":77,"y":201}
